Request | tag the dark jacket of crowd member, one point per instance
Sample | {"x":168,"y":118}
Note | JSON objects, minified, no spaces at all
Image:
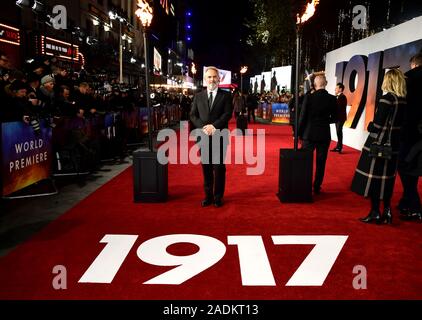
{"x":318,"y":111}
{"x":341,"y":108}
{"x":412,"y":123}
{"x":17,"y":104}
{"x":185,"y":105}
{"x":410,"y":156}
{"x":84,"y":100}
{"x":65,"y":107}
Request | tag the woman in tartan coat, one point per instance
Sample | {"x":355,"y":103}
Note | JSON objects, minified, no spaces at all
{"x":375,"y":177}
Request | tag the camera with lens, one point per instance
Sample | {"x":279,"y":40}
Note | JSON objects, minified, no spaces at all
{"x":32,"y":95}
{"x":35,"y":123}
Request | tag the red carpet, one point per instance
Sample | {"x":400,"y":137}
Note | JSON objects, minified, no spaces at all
{"x":390,"y":254}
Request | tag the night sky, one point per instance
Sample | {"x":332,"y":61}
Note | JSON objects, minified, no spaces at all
{"x":217,"y":25}
{"x":217,"y":32}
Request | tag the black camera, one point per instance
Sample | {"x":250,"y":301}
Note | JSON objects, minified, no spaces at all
{"x":32,"y":95}
{"x":35,"y":123}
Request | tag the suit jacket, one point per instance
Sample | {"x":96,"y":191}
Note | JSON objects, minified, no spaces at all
{"x":318,"y":111}
{"x":341,"y":108}
{"x":413,"y":112}
{"x":220,"y":113}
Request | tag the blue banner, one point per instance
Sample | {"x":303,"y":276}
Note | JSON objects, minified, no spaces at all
{"x":26,"y":155}
{"x":281,"y":113}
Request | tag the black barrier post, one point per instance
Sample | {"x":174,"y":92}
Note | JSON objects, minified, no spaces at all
{"x":296,"y":166}
{"x":150,"y":176}
{"x":296,"y":142}
{"x":147,"y":89}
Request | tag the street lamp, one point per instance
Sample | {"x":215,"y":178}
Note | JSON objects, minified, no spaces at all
{"x":309,"y":12}
{"x":113,"y":16}
{"x":243,"y":70}
{"x":296,"y":166}
{"x":150,"y":174}
{"x":144,"y":13}
{"x":193,"y":70}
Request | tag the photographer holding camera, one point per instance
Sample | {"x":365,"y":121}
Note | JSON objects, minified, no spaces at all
{"x":17,"y":107}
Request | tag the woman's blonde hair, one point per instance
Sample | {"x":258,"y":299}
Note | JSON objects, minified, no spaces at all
{"x":395,"y":82}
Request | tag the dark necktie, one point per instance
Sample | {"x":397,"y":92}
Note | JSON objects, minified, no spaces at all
{"x":210,"y":101}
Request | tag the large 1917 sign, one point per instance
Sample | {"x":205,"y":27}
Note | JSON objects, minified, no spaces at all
{"x":362,"y":77}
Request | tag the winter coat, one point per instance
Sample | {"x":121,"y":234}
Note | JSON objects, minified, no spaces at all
{"x":375,"y":177}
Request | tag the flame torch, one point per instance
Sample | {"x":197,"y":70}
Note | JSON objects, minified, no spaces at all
{"x":309,"y":12}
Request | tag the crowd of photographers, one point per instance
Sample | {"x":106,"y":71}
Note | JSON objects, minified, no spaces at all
{"x":92,"y":117}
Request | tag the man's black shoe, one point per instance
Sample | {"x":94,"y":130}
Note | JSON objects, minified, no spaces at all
{"x":317,"y":190}
{"x":218,"y":203}
{"x":335,"y":150}
{"x":403,"y":211}
{"x":411,"y":216}
{"x":206,"y":202}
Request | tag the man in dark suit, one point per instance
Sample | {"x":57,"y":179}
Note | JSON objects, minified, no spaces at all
{"x":410,"y":203}
{"x":341,"y":116}
{"x":318,"y":111}
{"x":211,"y":111}
{"x":185,"y":104}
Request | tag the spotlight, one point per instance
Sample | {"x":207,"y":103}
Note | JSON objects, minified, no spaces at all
{"x":49,"y":20}
{"x":23,"y":3}
{"x":76,"y":30}
{"x":38,"y":7}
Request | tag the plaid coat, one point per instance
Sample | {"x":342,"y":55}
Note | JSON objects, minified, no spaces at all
{"x":375,"y":177}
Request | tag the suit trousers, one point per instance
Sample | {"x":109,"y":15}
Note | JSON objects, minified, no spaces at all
{"x":321,"y":158}
{"x":215,"y":174}
{"x":339,"y":130}
{"x":251,"y":113}
{"x":410,"y":198}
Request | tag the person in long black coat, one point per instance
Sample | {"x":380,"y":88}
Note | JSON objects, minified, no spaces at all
{"x":410,"y":167}
{"x":374,"y":177}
